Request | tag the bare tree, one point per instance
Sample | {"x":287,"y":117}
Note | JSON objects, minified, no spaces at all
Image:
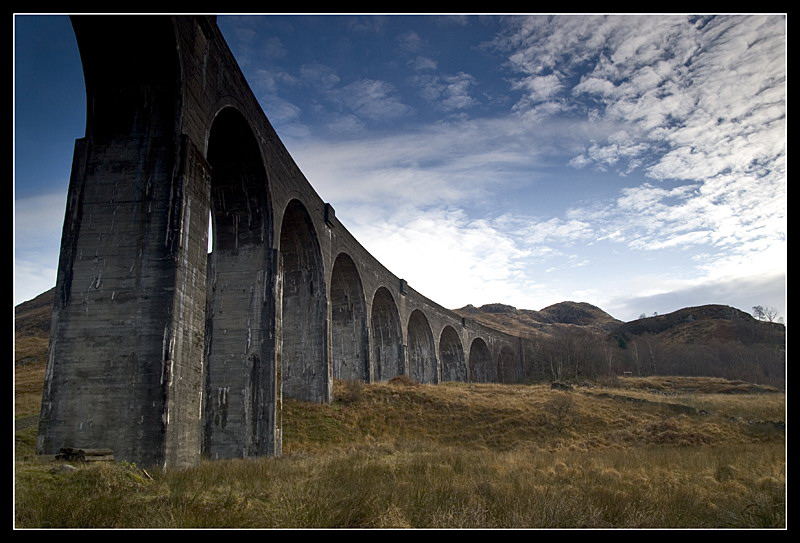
{"x":765,"y":313}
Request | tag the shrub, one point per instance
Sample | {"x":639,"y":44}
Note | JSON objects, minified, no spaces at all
{"x":350,"y":391}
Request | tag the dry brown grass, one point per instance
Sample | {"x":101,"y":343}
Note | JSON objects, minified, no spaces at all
{"x":749,"y":407}
{"x":28,"y":381}
{"x":449,"y":455}
{"x":675,"y":384}
{"x":414,"y":485}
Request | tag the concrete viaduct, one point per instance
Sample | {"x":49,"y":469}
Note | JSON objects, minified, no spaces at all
{"x":164,"y":352}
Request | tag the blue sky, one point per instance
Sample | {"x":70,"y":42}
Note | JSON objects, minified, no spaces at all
{"x":637,"y":163}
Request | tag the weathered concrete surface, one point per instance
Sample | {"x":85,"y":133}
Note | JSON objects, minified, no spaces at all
{"x":350,"y":333}
{"x":164,"y":353}
{"x":451,"y":352}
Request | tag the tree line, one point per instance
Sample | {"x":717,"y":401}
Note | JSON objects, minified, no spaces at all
{"x":575,"y":354}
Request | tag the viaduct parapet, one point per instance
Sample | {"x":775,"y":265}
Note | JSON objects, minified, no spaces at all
{"x":164,"y":352}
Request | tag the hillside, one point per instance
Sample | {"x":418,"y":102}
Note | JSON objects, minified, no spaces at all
{"x":694,"y":325}
{"x":531,"y":323}
{"x":705,"y":323}
{"x":33,"y":317}
{"x":32,"y":329}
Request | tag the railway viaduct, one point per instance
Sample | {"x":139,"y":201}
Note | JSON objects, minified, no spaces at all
{"x":164,"y":352}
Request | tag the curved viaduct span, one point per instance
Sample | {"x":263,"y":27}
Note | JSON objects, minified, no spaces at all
{"x":163,"y":352}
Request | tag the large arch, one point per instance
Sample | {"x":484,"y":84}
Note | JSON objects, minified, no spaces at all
{"x":349,"y":333}
{"x":240,"y":315}
{"x":387,"y":336}
{"x":507,"y":366}
{"x":304,"y":366}
{"x":421,"y":349}
{"x":132,"y":85}
{"x":452,"y":355}
{"x":481,"y":368}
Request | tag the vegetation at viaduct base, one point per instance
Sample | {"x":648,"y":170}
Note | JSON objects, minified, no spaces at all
{"x":600,"y":451}
{"x":644,"y":452}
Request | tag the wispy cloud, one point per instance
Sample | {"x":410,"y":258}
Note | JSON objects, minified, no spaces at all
{"x":421,"y":63}
{"x":702,"y":100}
{"x":371,"y":99}
{"x":706,"y":95}
{"x":448,"y":92}
{"x":38,"y":221}
{"x":410,"y":42}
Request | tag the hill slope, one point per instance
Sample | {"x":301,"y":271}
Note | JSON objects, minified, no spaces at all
{"x":530,"y":323}
{"x":703,"y":324}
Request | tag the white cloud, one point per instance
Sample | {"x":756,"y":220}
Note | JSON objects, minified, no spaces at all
{"x":268,"y":81}
{"x":372,"y":99}
{"x":449,"y":92}
{"x":540,"y":88}
{"x":273,"y":47}
{"x":410,"y":41}
{"x":319,"y":75}
{"x":280,"y":110}
{"x":443,"y":254}
{"x":372,"y":24}
{"x":702,"y":100}
{"x":455,"y":161}
{"x":421,"y":63}
{"x":706,"y":96}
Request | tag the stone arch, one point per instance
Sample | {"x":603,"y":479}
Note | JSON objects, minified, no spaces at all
{"x":507,"y":365}
{"x":387,"y":336}
{"x":481,"y":368}
{"x":349,"y":334}
{"x":304,"y":364}
{"x":452,"y":355}
{"x":240,"y":309}
{"x":132,"y":85}
{"x":421,"y":349}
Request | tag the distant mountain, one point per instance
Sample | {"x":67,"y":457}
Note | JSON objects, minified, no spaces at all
{"x":33,"y":317}
{"x":692,"y":325}
{"x":527,"y":322}
{"x":573,"y":340}
{"x":702,"y":324}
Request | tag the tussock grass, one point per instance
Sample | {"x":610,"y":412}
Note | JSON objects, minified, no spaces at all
{"x":416,"y":485}
{"x":450,"y":455}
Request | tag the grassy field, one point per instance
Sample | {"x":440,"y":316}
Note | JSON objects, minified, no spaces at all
{"x":453,"y":455}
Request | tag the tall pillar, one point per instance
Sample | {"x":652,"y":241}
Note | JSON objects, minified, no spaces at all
{"x":125,"y":361}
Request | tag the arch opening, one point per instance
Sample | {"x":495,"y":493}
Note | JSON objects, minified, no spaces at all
{"x":240,"y":314}
{"x":349,"y":334}
{"x":480,"y":362}
{"x":452,"y":355}
{"x":507,"y":366}
{"x":421,"y":349}
{"x":387,"y":336}
{"x":304,"y":364}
